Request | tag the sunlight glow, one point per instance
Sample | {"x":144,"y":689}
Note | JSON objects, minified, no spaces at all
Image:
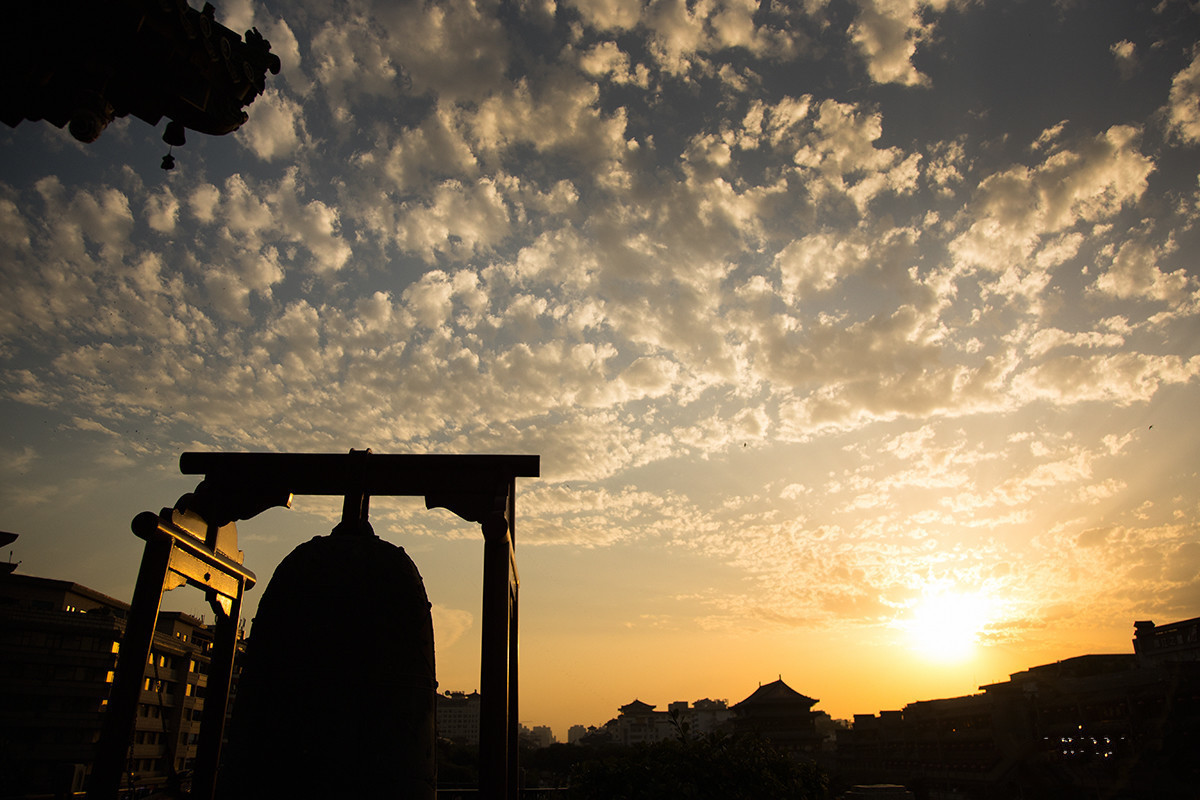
{"x":945,"y":627}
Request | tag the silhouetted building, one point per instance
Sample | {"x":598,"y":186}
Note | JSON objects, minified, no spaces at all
{"x":705,"y":716}
{"x":58,"y":649}
{"x":779,"y":713}
{"x":639,"y":723}
{"x":458,"y":717}
{"x":1175,"y":641}
{"x":538,"y":736}
{"x":1116,"y":726}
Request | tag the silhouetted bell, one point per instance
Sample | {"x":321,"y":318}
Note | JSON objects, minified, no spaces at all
{"x":168,"y":161}
{"x":337,"y":698}
{"x":173,"y":135}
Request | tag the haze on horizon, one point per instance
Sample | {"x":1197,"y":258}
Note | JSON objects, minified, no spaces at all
{"x":859,"y":339}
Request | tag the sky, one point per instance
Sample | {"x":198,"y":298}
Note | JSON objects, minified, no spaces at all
{"x":859,"y":339}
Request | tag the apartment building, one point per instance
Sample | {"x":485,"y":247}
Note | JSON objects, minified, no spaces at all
{"x":59,"y":642}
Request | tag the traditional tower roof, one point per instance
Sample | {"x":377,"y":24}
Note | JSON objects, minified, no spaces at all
{"x":635,"y":708}
{"x":775,"y":693}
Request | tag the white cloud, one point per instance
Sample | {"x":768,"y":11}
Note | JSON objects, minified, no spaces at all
{"x":203,"y":202}
{"x":841,"y":151}
{"x":456,"y":49}
{"x":275,"y":128}
{"x":436,"y":147}
{"x":887,"y":33}
{"x":1013,"y":209}
{"x":690,"y":249}
{"x":1126,"y":57}
{"x":1047,"y":339}
{"x":1134,"y":272}
{"x":351,"y":62}
{"x":560,"y":115}
{"x":609,"y":15}
{"x":815,"y":263}
{"x":1183,"y":107}
{"x":458,"y":219}
{"x":162,"y":211}
{"x":1122,"y":378}
{"x":606,"y":60}
{"x":449,"y":624}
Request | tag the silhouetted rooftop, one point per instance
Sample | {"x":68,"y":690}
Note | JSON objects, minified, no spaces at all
{"x":774,"y":693}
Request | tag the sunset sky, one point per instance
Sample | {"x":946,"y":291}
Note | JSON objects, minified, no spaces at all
{"x":859,"y":339}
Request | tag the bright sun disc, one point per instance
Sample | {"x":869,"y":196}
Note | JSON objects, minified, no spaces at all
{"x":946,"y":627}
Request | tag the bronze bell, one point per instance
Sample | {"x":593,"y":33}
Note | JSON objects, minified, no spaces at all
{"x":337,"y":698}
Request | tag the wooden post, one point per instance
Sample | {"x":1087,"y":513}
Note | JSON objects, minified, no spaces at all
{"x":494,"y":721}
{"x":119,"y":720}
{"x":514,"y":714}
{"x":216,"y":698}
{"x":174,"y":555}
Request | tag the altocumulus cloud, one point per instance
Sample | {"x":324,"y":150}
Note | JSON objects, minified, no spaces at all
{"x":646,"y":240}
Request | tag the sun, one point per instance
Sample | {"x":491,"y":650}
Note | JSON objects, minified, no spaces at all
{"x":945,"y":627}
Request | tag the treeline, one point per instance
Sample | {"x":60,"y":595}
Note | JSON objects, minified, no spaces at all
{"x":713,"y":767}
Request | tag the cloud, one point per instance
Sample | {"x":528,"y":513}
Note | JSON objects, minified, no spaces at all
{"x":1122,"y":378}
{"x":1014,"y":211}
{"x":1183,"y":114}
{"x":351,"y":64}
{"x":17,"y":462}
{"x":1048,"y":339}
{"x":435,"y":148}
{"x":747,"y":308}
{"x":606,"y":60}
{"x":1125,"y":55}
{"x":162,"y":211}
{"x":817,"y":262}
{"x":1134,"y":272}
{"x":682,"y":37}
{"x":455,"y":49}
{"x":609,"y":15}
{"x":449,"y":624}
{"x":887,"y":33}
{"x":459,"y":219}
{"x":276,"y":126}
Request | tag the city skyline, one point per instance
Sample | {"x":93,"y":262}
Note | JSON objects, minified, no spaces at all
{"x":859,"y":339}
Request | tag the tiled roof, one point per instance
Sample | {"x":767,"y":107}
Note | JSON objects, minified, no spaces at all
{"x":775,"y":693}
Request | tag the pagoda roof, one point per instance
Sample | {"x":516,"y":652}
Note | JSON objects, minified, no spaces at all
{"x":776,"y":693}
{"x":637,"y":707}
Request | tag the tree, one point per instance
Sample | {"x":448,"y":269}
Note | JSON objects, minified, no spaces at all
{"x":715,"y":767}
